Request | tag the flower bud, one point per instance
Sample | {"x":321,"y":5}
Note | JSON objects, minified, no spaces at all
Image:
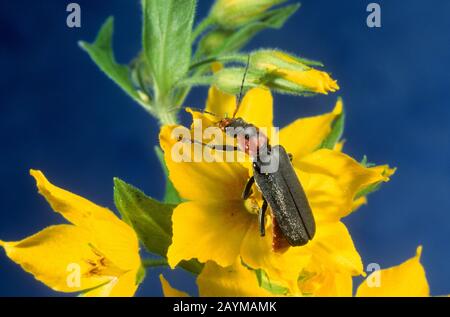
{"x":213,"y":41}
{"x":292,"y":74}
{"x":231,"y":14}
{"x":230,"y":80}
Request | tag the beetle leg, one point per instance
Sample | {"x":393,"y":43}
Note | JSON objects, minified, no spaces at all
{"x":248,"y":188}
{"x":223,"y":147}
{"x":291,"y":157}
{"x":262,"y":214}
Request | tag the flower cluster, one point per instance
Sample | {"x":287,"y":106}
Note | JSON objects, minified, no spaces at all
{"x":204,"y":224}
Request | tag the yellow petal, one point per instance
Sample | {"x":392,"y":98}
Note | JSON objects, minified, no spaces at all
{"x":284,"y":267}
{"x":74,"y":208}
{"x":220,"y":103}
{"x":305,"y":135}
{"x":339,"y":146}
{"x":333,"y":248}
{"x":208,"y":231}
{"x":168,"y":290}
{"x":315,"y":80}
{"x":257,"y":108}
{"x":406,"y":279}
{"x":122,"y":286}
{"x":56,"y":255}
{"x":359,"y":202}
{"x":232,"y":281}
{"x":327,"y":283}
{"x":332,"y":179}
{"x":112,"y":237}
{"x":204,"y":181}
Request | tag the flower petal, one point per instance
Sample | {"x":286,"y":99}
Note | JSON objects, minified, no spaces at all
{"x":74,"y":208}
{"x":231,"y":281}
{"x":305,"y":135}
{"x":205,"y":181}
{"x":327,"y":283}
{"x":256,"y":252}
{"x":332,"y":179}
{"x":56,"y":255}
{"x":312,"y":79}
{"x":406,"y":279}
{"x":208,"y":231}
{"x":111,"y":236}
{"x":220,"y":103}
{"x":168,"y":290}
{"x":333,"y":248}
{"x":122,"y":286}
{"x":257,"y":108}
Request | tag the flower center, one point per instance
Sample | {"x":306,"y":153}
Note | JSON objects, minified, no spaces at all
{"x":101,"y":265}
{"x":251,"y":205}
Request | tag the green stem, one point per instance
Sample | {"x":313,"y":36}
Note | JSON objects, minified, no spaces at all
{"x":164,"y":110}
{"x":166,"y":115}
{"x":148,"y":263}
{"x":224,"y":59}
{"x":201,"y":27}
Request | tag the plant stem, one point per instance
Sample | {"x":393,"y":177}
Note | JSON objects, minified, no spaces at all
{"x":164,"y":110}
{"x":148,"y":263}
{"x":166,"y":116}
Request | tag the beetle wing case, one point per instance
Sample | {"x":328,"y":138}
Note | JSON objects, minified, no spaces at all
{"x":284,"y":193}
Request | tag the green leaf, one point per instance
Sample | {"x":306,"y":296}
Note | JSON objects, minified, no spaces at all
{"x":264,"y":282}
{"x":171,"y":195}
{"x":167,"y":30}
{"x":101,"y":53}
{"x":337,"y":129}
{"x":274,"y":19}
{"x":151,"y":219}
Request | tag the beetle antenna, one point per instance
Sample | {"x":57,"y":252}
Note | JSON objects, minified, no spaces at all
{"x":242,"y":87}
{"x":204,"y":111}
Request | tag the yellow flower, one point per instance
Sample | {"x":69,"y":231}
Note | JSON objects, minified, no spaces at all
{"x":292,"y":73}
{"x":98,"y":254}
{"x":216,"y":281}
{"x":231,"y":14}
{"x":215,"y":224}
{"x":406,"y":279}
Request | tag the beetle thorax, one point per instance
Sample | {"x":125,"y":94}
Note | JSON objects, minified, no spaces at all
{"x":249,"y":138}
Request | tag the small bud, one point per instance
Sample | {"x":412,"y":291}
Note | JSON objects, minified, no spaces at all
{"x":291,"y":74}
{"x":231,"y":14}
{"x":213,"y":41}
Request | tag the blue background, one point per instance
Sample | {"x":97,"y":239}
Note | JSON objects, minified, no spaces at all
{"x":60,"y":114}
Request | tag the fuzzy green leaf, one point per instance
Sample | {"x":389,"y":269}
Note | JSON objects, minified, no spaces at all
{"x":171,"y":195}
{"x":101,"y":52}
{"x":167,"y":30}
{"x":151,"y":219}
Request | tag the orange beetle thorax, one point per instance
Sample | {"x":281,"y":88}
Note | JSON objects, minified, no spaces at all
{"x":249,"y":138}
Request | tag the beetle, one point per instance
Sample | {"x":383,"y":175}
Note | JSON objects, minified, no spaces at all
{"x":275,"y":178}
